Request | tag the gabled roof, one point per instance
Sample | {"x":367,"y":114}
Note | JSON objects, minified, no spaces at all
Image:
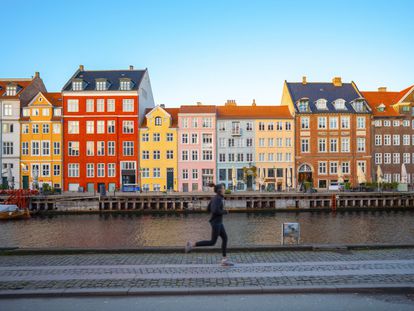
{"x":112,"y":76}
{"x":253,"y":112}
{"x":55,"y":98}
{"x":173,"y":112}
{"x":197,"y":109}
{"x":323,"y":90}
{"x":20,"y":83}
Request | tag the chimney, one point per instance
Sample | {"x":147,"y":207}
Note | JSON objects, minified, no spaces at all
{"x":254,"y":102}
{"x":199,"y":103}
{"x":337,"y":81}
{"x":37,"y":74}
{"x":81,"y":68}
{"x":382,"y":89}
{"x":304,"y":80}
{"x":231,"y":102}
{"x":131,"y":67}
{"x":162,"y":106}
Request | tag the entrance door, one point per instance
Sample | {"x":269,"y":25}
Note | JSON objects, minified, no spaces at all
{"x":170,"y":178}
{"x":185,"y":187}
{"x":249,"y":182}
{"x":25,"y":182}
{"x":90,"y":187}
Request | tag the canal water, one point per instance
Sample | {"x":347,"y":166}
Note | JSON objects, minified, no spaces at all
{"x":133,"y":230}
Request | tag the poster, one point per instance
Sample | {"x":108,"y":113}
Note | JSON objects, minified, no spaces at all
{"x":290,"y":233}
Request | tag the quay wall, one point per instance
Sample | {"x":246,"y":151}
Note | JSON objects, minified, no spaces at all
{"x":234,"y":202}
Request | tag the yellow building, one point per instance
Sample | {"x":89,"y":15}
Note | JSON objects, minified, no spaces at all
{"x":41,"y":141}
{"x":274,"y":145}
{"x":158,"y":149}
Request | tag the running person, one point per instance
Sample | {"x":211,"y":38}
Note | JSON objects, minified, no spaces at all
{"x":216,"y":209}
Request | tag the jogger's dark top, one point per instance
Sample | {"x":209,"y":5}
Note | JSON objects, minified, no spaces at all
{"x":216,"y":208}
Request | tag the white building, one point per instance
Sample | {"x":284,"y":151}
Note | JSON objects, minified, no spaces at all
{"x":14,"y":94}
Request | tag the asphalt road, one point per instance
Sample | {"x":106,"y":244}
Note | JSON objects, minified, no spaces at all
{"x":289,"y":302}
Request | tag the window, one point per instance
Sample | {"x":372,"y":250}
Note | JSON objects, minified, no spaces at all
{"x":35,"y":148}
{"x":170,"y":154}
{"x":333,"y":168}
{"x":56,"y":129}
{"x":7,"y":110}
{"x":100,"y":146}
{"x":231,"y":142}
{"x":194,"y":138}
{"x":35,"y":128}
{"x":195,"y":123}
{"x":378,"y":123}
{"x":406,"y":158}
{"x":184,"y":138}
{"x":90,"y":105}
{"x":270,"y":142}
{"x":45,"y":170}
{"x":156,"y":155}
{"x":195,"y":173}
{"x":128,"y":105}
{"x":7,"y":148}
{"x":128,"y":148}
{"x":185,"y":173}
{"x":378,"y":140}
{"x":221,"y":126}
{"x":235,"y":128}
{"x":288,"y":126}
{"x":101,"y":169}
{"x":77,"y":85}
{"x":111,"y":126}
{"x":288,"y":142}
{"x":73,"y":127}
{"x":361,"y":122}
{"x":249,"y":142}
{"x":45,"y":112}
{"x":125,"y":85}
{"x":194,"y":155}
{"x":270,"y":157}
{"x":362,"y":165}
{"x":207,"y":139}
{"x":156,"y":172}
{"x":145,"y":137}
{"x":406,"y":140}
{"x":345,"y":123}
{"x":90,"y":148}
{"x":25,"y":148}
{"x":387,"y":140}
{"x":387,"y":158}
{"x":11,"y":90}
{"x":288,"y":157}
{"x":339,"y":104}
{"x":240,"y":157}
{"x":270,"y":126}
{"x":45,"y":148}
{"x":304,"y":145}
{"x":322,"y":168}
{"x":145,"y":155}
{"x":406,"y":123}
{"x":158,"y":121}
{"x":25,"y":129}
{"x":100,"y":105}
{"x":378,"y":158}
{"x":249,"y":126}
{"x":73,"y":170}
{"x":359,"y":106}
{"x":396,"y":158}
{"x":110,"y":106}
{"x":396,"y":123}
{"x":321,"y":104}
{"x":321,"y":122}
{"x":396,"y":140}
{"x":322,"y":144}
{"x":100,"y":127}
{"x":56,"y":170}
{"x":222,"y":157}
{"x":261,"y":142}
{"x":128,"y":127}
{"x":345,"y":167}
{"x":35,"y":112}
{"x":304,"y":121}
{"x":231,"y":157}
{"x":73,"y":148}
{"x":101,"y":85}
{"x":90,"y":127}
{"x":145,"y":173}
{"x":73,"y":105}
{"x":26,"y":112}
{"x":156,"y":137}
{"x":345,"y":144}
{"x":333,"y":123}
{"x":396,"y":177}
{"x":207,"y":122}
{"x":360,"y":144}
{"x":207,"y":155}
{"x":57,"y":112}
{"x":261,"y":157}
{"x":111,"y":148}
{"x":184,"y":122}
{"x":333,"y":145}
{"x":170,"y":137}
{"x":90,"y":170}
{"x":303,"y":106}
{"x":56,"y":148}
{"x":249,"y":157}
{"x":387,"y":123}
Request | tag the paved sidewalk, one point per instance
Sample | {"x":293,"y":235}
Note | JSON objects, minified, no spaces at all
{"x":255,"y":272}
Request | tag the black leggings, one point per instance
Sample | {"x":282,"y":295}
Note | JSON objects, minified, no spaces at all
{"x":216,"y":231}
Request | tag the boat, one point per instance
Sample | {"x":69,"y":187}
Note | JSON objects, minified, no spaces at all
{"x":11,"y":211}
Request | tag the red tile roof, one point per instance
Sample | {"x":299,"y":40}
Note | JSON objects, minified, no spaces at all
{"x":172,"y":111}
{"x":54,"y":98}
{"x":253,"y":112}
{"x":21,"y":83}
{"x":197,"y":109}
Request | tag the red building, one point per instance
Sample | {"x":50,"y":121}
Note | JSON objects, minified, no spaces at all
{"x":102,"y":112}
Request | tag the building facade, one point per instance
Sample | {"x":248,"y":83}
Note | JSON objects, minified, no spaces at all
{"x":393,"y":133}
{"x":41,"y":141}
{"x":196,"y":147}
{"x":274,"y":146}
{"x":236,"y":147}
{"x":14,"y":94}
{"x":333,"y":132}
{"x":102,"y":111}
{"x":158,"y":158}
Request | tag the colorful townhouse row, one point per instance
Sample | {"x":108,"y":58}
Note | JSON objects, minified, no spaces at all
{"x":103,"y":130}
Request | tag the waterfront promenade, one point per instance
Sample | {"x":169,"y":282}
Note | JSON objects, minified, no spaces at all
{"x":173,"y":273}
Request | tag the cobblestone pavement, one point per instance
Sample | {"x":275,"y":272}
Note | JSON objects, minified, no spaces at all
{"x":255,"y":270}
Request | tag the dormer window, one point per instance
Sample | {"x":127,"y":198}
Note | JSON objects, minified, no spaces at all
{"x":381,"y":108}
{"x":77,"y":85}
{"x":101,"y":85}
{"x":339,"y":104}
{"x":158,"y":121}
{"x":359,"y":106}
{"x":11,"y":90}
{"x":125,"y":84}
{"x":321,"y":104}
{"x":303,"y":105}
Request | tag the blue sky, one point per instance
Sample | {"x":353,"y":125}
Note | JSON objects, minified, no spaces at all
{"x":210,"y":51}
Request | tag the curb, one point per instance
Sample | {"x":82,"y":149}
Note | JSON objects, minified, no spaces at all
{"x":54,"y":293}
{"x":5,"y":251}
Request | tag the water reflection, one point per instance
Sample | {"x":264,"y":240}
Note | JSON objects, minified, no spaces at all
{"x":136,"y":230}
